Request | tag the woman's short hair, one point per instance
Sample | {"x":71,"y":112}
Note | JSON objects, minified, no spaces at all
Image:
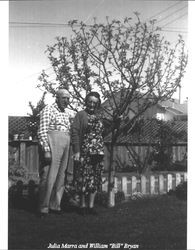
{"x":95,"y":94}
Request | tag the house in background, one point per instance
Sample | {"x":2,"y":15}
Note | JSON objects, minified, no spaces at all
{"x":168,"y":110}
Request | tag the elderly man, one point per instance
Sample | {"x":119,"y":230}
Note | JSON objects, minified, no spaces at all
{"x":54,"y":139}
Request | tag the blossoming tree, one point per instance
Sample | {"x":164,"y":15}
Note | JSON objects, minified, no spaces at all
{"x":131,"y":65}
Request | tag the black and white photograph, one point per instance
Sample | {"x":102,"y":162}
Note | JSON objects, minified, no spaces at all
{"x":98,"y":107}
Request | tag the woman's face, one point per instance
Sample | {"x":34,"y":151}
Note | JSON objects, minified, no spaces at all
{"x":92,"y":104}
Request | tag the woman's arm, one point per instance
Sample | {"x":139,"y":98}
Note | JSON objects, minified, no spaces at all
{"x":75,"y":134}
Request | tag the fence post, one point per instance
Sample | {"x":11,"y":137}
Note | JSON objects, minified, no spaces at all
{"x":134,"y":184}
{"x":152,"y":184}
{"x":177,"y":179}
{"x":161,"y":184}
{"x":143,"y":184}
{"x":169,"y":182}
{"x":124,"y":185}
{"x":129,"y":186}
{"x":112,"y":198}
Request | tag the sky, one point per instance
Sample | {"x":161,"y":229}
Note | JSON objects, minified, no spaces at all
{"x":29,"y":37}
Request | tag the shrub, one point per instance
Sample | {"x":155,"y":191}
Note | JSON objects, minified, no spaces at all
{"x":17,"y":173}
{"x":181,"y":191}
{"x":180,"y":166}
{"x":162,"y":156}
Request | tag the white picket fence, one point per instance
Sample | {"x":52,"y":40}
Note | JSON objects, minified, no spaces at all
{"x":149,"y":184}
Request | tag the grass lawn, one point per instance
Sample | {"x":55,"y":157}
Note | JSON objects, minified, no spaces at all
{"x":158,"y":223}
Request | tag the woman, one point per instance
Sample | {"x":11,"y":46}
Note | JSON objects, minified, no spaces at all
{"x":88,"y":152}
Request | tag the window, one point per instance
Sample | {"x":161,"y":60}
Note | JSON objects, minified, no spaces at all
{"x":160,"y":116}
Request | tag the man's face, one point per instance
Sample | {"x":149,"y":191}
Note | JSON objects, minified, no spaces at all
{"x":92,"y":104}
{"x":62,"y":101}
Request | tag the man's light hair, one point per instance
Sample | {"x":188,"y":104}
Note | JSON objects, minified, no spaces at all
{"x":62,"y":92}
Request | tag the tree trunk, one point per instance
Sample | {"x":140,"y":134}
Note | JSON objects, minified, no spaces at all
{"x":111,"y":173}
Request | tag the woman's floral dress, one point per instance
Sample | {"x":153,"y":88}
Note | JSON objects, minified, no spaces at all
{"x":88,"y":172}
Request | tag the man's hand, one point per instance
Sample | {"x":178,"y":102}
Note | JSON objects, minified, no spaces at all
{"x":76,"y":156}
{"x":48,"y":157}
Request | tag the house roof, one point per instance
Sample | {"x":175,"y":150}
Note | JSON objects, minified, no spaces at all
{"x":174,"y":111}
{"x":148,"y":133}
{"x":175,"y":105}
{"x":172,"y":106}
